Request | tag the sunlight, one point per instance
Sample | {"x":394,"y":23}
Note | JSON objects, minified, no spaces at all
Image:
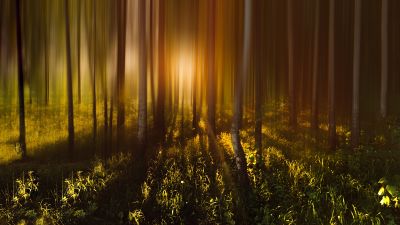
{"x":184,"y":71}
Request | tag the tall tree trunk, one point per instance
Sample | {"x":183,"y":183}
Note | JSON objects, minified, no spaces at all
{"x":69,"y":82}
{"x":142,"y":117}
{"x":195,"y":75}
{"x":331,"y":77}
{"x":240,"y":157}
{"x":78,"y":41}
{"x":314,"y":100}
{"x":21,"y":99}
{"x":384,"y":57}
{"x":94,"y":106}
{"x":292,"y":98}
{"x":160,"y":117}
{"x":355,"y":128}
{"x":151,"y":60}
{"x":211,"y":79}
{"x":258,"y":85}
{"x":46,"y":55}
{"x":121,"y":71}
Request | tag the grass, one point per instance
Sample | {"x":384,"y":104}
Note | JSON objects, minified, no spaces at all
{"x":298,"y":181}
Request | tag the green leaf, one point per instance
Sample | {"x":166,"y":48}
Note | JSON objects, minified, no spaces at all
{"x":393,"y":190}
{"x":385,"y":201}
{"x":381,"y":191}
{"x":383,"y":180}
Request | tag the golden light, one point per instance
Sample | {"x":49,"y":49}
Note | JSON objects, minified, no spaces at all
{"x":184,"y":69}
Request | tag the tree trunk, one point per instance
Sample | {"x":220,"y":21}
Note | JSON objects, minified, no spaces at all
{"x":46,"y":56}
{"x":69,"y":82}
{"x":292,"y":98}
{"x":355,"y":129}
{"x":240,"y":157}
{"x":195,"y":75}
{"x":211,"y":79}
{"x":384,"y":57}
{"x":258,"y":86}
{"x":160,"y":117}
{"x":94,"y":106}
{"x":78,"y":41}
{"x":331,"y":77}
{"x":314,"y":101}
{"x":151,"y":61}
{"x":142,"y":117}
{"x":21,"y":99}
{"x":121,"y":71}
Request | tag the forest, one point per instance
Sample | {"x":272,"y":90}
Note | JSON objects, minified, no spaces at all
{"x":200,"y":112}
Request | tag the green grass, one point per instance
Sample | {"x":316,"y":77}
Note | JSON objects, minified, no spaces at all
{"x":298,"y":181}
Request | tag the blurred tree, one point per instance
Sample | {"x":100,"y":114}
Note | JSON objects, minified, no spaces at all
{"x":160,"y":119}
{"x":241,"y":74}
{"x":292,"y":97}
{"x":355,"y":128}
{"x":258,"y":82}
{"x":384,"y":57}
{"x":142,"y":117}
{"x":315,"y":75}
{"x":21,"y":100}
{"x":120,"y":89}
{"x":78,"y":41}
{"x":331,"y":77}
{"x":69,"y":81}
{"x":46,"y":53}
{"x":211,"y":78}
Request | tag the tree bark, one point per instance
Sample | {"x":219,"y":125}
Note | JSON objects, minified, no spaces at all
{"x":331,"y":77}
{"x":314,"y":103}
{"x":78,"y":41}
{"x":258,"y":86}
{"x":384,"y":57}
{"x":240,"y":157}
{"x":21,"y":100}
{"x":94,"y":106}
{"x":160,"y":118}
{"x":46,"y":56}
{"x":151,"y":61}
{"x":292,"y":99}
{"x":69,"y":82}
{"x":355,"y":131}
{"x":142,"y":117}
{"x":121,"y":71}
{"x":211,"y":79}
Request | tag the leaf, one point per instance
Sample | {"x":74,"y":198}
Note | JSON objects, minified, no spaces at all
{"x":383,"y":180}
{"x":393,"y":190}
{"x":381,"y":191}
{"x":385,"y":201}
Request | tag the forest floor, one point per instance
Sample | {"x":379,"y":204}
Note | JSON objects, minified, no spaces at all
{"x":297,"y":182}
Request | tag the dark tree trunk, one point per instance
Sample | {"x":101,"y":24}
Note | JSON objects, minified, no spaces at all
{"x":121,"y":71}
{"x":21,"y":99}
{"x":355,"y":128}
{"x":240,"y":157}
{"x":69,"y":82}
{"x":292,"y":97}
{"x":94,"y":106}
{"x":46,"y":56}
{"x":384,"y":57}
{"x":195,"y":75}
{"x":142,"y":117}
{"x":211,"y":79}
{"x":151,"y":61}
{"x":160,"y":117}
{"x":314,"y":100}
{"x":78,"y":41}
{"x":258,"y":85}
{"x":331,"y":77}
